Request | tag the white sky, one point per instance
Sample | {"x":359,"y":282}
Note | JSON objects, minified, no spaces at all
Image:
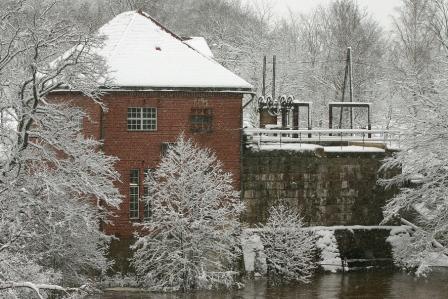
{"x":381,"y":10}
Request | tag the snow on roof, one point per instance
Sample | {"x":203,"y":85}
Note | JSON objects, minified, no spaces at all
{"x":199,"y":44}
{"x":142,"y":53}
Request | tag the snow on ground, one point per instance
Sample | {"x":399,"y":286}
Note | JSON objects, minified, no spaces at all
{"x":352,"y":149}
{"x":396,"y":236}
{"x":436,"y":259}
{"x":253,"y":255}
{"x":357,"y":227}
{"x":299,"y":147}
{"x":303,"y":147}
{"x":425,"y":212}
{"x":330,"y":259}
{"x":400,"y":234}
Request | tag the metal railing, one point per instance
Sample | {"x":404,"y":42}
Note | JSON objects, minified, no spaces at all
{"x":364,"y":137}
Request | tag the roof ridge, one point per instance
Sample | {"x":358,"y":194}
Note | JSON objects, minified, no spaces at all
{"x":146,"y":15}
{"x":123,"y":34}
{"x":131,"y":49}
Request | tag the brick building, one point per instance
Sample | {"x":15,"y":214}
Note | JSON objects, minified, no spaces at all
{"x":163,"y":85}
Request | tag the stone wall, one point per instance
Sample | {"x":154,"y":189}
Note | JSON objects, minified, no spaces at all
{"x":328,"y":188}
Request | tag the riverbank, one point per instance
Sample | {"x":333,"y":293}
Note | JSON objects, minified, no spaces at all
{"x":373,"y":284}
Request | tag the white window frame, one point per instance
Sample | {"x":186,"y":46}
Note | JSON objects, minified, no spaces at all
{"x":134,"y":189}
{"x":139,"y":120}
{"x":146,"y":205}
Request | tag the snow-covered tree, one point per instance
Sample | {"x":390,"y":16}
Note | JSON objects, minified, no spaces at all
{"x":420,"y":79}
{"x":323,"y":38}
{"x":191,"y":239}
{"x":55,"y":184}
{"x":289,"y":248}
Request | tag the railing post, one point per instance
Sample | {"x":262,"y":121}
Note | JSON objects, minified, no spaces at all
{"x":363,"y":141}
{"x":330,"y":118}
{"x":341,"y":140}
{"x":280,"y":139}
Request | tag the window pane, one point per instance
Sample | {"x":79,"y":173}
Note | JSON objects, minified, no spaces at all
{"x":134,"y":178}
{"x":142,"y":118}
{"x":133,"y":201}
{"x":201,"y":120}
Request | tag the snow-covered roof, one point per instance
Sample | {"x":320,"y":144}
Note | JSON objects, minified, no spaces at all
{"x":141,"y":53}
{"x":199,"y":44}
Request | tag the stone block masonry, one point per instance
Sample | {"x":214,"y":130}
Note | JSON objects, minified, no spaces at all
{"x":327,"y":188}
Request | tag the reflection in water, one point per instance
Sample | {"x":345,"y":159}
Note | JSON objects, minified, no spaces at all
{"x":325,"y":286}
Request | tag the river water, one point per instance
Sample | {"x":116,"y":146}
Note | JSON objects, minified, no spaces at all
{"x":324,"y":286}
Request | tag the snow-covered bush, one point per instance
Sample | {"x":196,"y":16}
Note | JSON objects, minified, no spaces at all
{"x":290,"y":249}
{"x":404,"y":248}
{"x":414,"y":250}
{"x":191,"y":239}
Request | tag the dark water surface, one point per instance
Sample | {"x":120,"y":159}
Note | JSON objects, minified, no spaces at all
{"x":324,"y":286}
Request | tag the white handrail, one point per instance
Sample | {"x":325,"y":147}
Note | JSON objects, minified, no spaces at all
{"x":320,"y":131}
{"x":365,"y":136}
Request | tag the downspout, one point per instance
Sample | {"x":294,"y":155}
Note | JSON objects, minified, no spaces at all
{"x":101,"y":148}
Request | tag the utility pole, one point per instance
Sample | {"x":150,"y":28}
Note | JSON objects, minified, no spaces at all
{"x":349,"y":53}
{"x":273,"y":77}
{"x":348,"y":75}
{"x":263,"y":90}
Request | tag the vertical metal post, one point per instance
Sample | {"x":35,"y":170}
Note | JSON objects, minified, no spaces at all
{"x":263,"y":90}
{"x":369,"y":125}
{"x":295,"y":118}
{"x":309,"y":120}
{"x":273,"y":76}
{"x":351,"y":84}
{"x":343,"y":88}
{"x":330,"y":118}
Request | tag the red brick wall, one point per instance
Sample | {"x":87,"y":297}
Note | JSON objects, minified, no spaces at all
{"x":142,"y":149}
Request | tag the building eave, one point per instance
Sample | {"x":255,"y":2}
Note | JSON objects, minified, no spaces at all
{"x":169,"y":89}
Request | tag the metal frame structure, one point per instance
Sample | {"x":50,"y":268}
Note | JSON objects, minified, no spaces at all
{"x":350,"y":105}
{"x":296,"y":114}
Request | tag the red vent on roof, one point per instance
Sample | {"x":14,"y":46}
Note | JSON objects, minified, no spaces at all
{"x":158,"y":49}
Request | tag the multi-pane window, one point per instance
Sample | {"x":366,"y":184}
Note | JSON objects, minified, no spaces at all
{"x":146,"y":203}
{"x":201,"y":120}
{"x":79,"y":121}
{"x":142,"y":119}
{"x":134,"y":182}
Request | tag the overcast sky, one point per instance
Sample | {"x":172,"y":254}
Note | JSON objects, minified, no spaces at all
{"x":379,"y":9}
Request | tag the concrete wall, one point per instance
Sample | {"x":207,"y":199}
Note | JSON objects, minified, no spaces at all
{"x":328,"y":188}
